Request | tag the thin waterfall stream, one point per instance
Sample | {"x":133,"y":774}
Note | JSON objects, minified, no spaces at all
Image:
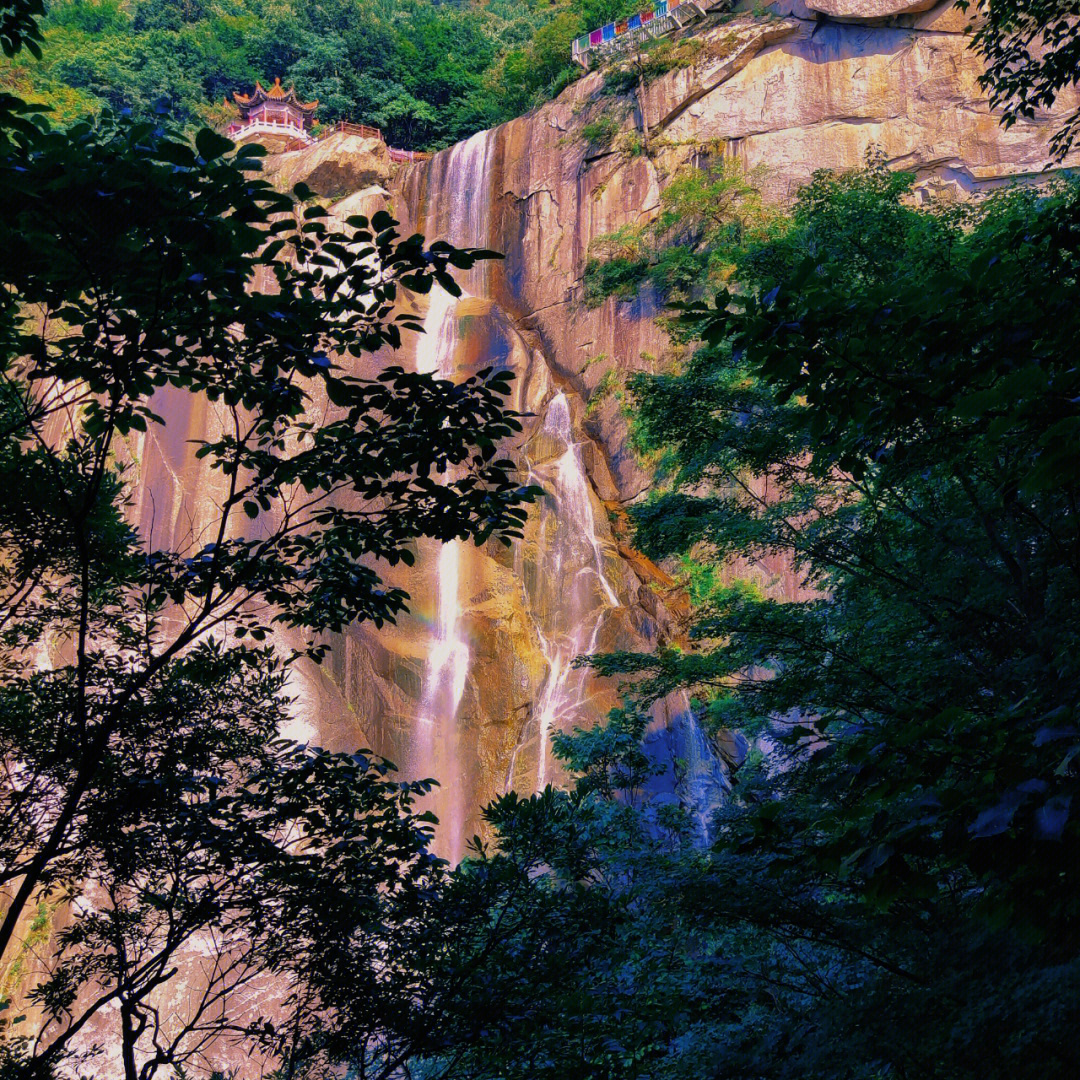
{"x":571,"y":568}
{"x":435,"y":747}
{"x":463,"y":189}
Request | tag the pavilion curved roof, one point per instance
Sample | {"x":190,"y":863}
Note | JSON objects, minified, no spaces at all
{"x":276,"y":93}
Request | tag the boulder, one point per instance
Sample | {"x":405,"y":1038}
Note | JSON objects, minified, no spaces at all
{"x":868,"y":9}
{"x":338,"y":165}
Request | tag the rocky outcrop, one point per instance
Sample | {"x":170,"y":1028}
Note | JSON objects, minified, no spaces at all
{"x":338,"y":165}
{"x":472,"y":683}
{"x":868,"y":9}
{"x":784,"y":95}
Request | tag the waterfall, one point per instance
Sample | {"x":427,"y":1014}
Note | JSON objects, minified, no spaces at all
{"x":459,"y":176}
{"x":570,"y":605}
{"x":435,"y":748}
{"x":574,"y":594}
{"x":703,"y":783}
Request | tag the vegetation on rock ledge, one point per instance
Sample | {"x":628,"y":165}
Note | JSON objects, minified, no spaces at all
{"x":706,"y":216}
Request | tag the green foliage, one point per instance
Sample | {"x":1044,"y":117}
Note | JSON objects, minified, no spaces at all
{"x":600,"y":132}
{"x":607,"y":385}
{"x":656,"y":57}
{"x":887,"y":398}
{"x":1032,"y":53}
{"x":19,"y":28}
{"x":619,"y":276}
{"x":139,"y":710}
{"x":427,"y":73}
{"x":577,"y":984}
{"x":527,"y":75}
{"x":632,"y":144}
{"x":707,"y":216}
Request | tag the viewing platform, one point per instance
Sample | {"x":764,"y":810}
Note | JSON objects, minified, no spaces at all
{"x":664,"y":17}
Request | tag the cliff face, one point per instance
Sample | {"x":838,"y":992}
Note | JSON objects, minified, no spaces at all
{"x":470,"y":686}
{"x":472,"y":683}
{"x":786,"y":95}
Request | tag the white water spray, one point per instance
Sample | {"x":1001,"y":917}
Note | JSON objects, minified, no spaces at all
{"x":579,"y":595}
{"x":435,"y":743}
{"x":460,"y":178}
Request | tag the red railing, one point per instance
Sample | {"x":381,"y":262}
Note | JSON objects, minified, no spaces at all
{"x":363,"y":130}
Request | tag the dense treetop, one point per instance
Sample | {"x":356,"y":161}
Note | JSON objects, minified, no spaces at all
{"x":428,"y":73}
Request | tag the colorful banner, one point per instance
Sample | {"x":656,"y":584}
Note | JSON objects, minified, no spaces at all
{"x":660,"y":10}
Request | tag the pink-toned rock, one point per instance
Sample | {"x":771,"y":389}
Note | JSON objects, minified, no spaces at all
{"x":868,"y":9}
{"x":338,"y":165}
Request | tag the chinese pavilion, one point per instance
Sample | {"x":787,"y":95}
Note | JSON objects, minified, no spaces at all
{"x":274,"y":117}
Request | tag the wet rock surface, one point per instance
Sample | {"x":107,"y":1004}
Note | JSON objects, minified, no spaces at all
{"x":471,"y":684}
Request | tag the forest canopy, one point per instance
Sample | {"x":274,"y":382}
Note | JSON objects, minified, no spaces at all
{"x":427,"y":73}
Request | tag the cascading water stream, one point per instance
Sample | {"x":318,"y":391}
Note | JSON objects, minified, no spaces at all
{"x":435,"y":746}
{"x":568,"y":598}
{"x":576,"y":595}
{"x":461,"y":179}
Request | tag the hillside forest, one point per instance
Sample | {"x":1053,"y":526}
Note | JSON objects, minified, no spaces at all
{"x":426,"y":73}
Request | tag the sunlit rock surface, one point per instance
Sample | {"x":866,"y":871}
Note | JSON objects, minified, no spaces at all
{"x":338,"y":165}
{"x":868,"y":9}
{"x":472,"y":683}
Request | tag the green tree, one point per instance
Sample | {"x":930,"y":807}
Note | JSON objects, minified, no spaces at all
{"x":592,"y":970}
{"x":457,"y":67}
{"x":1032,"y":51}
{"x":706,"y":215}
{"x":138,"y":703}
{"x":887,"y":398}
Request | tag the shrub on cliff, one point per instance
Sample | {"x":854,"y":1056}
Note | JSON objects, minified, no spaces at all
{"x":708,"y":214}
